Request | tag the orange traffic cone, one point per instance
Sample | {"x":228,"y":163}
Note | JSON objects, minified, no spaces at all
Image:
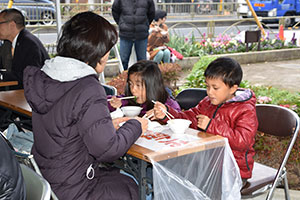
{"x":281,"y":33}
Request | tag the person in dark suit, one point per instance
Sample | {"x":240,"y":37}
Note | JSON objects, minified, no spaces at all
{"x":19,"y":48}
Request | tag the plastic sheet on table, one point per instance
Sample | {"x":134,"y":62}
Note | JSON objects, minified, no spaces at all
{"x":207,"y":174}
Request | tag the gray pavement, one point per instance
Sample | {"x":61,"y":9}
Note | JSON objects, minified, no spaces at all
{"x":283,"y":74}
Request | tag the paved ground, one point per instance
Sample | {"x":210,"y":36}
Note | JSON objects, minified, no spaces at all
{"x":283,"y":75}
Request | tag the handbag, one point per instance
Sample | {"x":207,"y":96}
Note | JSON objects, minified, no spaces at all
{"x":176,"y":53}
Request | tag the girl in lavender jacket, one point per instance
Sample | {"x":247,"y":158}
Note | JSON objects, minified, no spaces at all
{"x":145,"y":82}
{"x":73,"y":130}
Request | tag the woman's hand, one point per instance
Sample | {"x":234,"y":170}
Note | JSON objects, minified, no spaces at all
{"x":203,"y":121}
{"x":117,"y":121}
{"x":144,"y":123}
{"x":159,"y":109}
{"x":115,"y":102}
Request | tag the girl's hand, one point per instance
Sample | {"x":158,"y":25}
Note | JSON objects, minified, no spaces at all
{"x":158,"y":110}
{"x":144,"y":123}
{"x":117,"y":121}
{"x":203,"y":121}
{"x":115,"y":102}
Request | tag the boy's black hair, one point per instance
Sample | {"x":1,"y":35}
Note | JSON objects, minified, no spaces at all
{"x":87,"y":37}
{"x":153,"y":80}
{"x":160,"y":14}
{"x":228,"y":69}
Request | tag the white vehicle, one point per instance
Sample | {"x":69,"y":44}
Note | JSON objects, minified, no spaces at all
{"x":243,"y":8}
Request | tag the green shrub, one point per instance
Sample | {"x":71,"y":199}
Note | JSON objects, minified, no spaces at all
{"x":187,"y":49}
{"x":277,"y":96}
{"x":196,"y":78}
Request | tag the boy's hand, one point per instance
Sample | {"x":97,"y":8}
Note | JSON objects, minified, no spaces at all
{"x":144,"y":123}
{"x":115,"y":102}
{"x":203,"y":121}
{"x":158,"y":110}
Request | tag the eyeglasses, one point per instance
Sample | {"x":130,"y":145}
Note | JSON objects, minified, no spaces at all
{"x":5,"y":21}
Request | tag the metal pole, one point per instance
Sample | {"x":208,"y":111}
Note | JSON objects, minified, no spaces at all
{"x":256,"y":18}
{"x":58,"y":17}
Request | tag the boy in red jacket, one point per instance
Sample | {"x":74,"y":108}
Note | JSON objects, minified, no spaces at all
{"x":227,"y":110}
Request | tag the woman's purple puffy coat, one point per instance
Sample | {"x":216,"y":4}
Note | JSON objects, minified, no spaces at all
{"x":72,"y":130}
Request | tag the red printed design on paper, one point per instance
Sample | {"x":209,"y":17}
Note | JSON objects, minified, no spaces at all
{"x":164,"y":138}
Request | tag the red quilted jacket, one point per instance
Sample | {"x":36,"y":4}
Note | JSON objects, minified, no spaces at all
{"x":235,"y":119}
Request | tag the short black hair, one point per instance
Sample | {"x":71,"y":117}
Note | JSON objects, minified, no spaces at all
{"x":160,"y":14}
{"x":228,"y":69}
{"x":15,"y":15}
{"x":153,"y":81}
{"x":87,"y":37}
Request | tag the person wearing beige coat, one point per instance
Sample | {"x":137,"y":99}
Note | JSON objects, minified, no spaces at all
{"x":157,"y":39}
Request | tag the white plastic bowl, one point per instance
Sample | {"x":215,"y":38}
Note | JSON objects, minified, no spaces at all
{"x":131,"y":111}
{"x":179,"y":126}
{"x":116,"y":114}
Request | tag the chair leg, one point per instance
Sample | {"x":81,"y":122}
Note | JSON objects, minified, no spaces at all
{"x":286,"y":188}
{"x":271,"y":193}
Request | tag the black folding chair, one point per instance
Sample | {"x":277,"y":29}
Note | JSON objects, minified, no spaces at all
{"x":277,"y":121}
{"x":110,"y":90}
{"x":190,"y":97}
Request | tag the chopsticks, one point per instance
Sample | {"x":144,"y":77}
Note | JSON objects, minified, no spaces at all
{"x":130,"y":97}
{"x":148,"y":117}
{"x":169,"y":115}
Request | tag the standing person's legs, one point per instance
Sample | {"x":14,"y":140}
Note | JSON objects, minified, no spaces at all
{"x":166,"y":56}
{"x":158,"y":57}
{"x":125,"y":51}
{"x":141,"y":49}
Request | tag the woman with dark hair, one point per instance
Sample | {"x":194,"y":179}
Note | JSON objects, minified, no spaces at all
{"x":73,"y":130}
{"x":145,"y":82}
{"x":158,"y":37}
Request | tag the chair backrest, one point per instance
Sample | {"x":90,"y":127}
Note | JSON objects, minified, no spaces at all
{"x":190,"y":97}
{"x":110,"y":90}
{"x":276,"y":120}
{"x":37,"y":188}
